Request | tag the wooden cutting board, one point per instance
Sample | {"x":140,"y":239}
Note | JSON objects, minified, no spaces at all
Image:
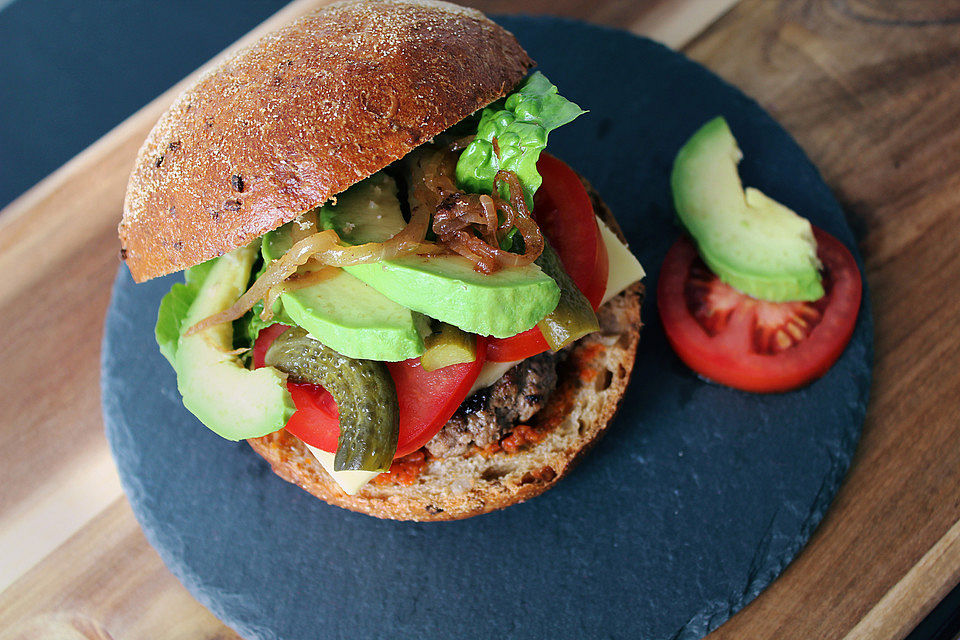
{"x":873,"y":95}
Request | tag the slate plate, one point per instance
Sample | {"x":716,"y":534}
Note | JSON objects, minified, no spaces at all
{"x":695,"y":501}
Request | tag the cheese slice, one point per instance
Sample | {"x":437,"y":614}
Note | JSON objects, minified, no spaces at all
{"x":490,"y":373}
{"x":624,"y":270}
{"x":349,"y":481}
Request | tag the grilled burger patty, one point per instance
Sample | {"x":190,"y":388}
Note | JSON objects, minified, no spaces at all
{"x":489,"y":414}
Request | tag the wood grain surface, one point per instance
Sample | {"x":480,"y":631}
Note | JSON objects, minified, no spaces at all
{"x":870,"y":89}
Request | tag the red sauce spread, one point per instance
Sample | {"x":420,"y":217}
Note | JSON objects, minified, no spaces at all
{"x":590,"y":352}
{"x":521,"y":435}
{"x":404,"y":471}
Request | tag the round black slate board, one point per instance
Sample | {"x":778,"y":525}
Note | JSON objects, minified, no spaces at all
{"x":695,"y":501}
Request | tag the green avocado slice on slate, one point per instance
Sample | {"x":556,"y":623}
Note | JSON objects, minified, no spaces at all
{"x":752,"y":242}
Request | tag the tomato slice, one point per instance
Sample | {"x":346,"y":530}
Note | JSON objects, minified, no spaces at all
{"x":562,"y":208}
{"x":316,"y":420}
{"x":264,"y":339}
{"x":523,"y":345}
{"x":564,"y":213}
{"x":755,"y":345}
{"x":427,"y":399}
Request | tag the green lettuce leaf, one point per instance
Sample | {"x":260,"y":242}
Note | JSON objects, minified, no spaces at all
{"x":248,"y":327}
{"x":520,"y":127}
{"x":174,"y":307}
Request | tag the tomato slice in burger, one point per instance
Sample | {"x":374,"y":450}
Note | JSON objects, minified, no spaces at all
{"x":264,"y":339}
{"x":316,"y":420}
{"x":427,"y":399}
{"x":755,"y":345}
{"x":563,"y":211}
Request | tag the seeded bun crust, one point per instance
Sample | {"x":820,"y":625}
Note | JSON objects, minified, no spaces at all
{"x":591,"y":385}
{"x":281,"y":127}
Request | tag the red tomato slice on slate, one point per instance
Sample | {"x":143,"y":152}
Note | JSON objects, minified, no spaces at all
{"x":755,"y":345}
{"x":427,"y":399}
{"x":564,"y":213}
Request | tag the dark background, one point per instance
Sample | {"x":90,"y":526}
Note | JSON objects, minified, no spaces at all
{"x":72,"y":70}
{"x":69,"y":72}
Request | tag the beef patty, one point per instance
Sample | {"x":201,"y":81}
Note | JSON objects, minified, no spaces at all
{"x":489,"y":414}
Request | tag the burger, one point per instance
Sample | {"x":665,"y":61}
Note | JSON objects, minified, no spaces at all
{"x":392,"y":291}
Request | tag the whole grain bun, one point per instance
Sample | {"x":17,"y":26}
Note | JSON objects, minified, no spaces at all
{"x":282,"y":126}
{"x":592,"y":383}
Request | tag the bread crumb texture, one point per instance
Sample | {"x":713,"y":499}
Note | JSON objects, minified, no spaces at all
{"x":280,"y":127}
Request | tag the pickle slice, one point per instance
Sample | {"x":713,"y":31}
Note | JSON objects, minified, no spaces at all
{"x":363,"y":390}
{"x":573,"y":317}
{"x":448,"y":346}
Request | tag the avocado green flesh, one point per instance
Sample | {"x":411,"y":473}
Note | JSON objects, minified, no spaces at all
{"x":749,"y":240}
{"x":447,"y":288}
{"x":352,"y":318}
{"x":369,"y":211}
{"x":234,"y":402}
{"x":443,"y":287}
{"x":347,"y":314}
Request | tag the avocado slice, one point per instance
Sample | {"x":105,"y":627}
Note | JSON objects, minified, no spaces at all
{"x":234,"y":402}
{"x":752,"y":242}
{"x":348,"y":315}
{"x":352,"y":318}
{"x":443,"y":287}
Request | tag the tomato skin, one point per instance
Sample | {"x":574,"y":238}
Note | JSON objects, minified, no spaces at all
{"x":728,"y":357}
{"x":427,"y":399}
{"x":264,"y":339}
{"x":316,"y":420}
{"x":523,"y":345}
{"x":563,"y":211}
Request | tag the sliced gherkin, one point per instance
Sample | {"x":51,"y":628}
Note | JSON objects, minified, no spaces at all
{"x":573,"y":317}
{"x":448,"y":346}
{"x":363,"y":390}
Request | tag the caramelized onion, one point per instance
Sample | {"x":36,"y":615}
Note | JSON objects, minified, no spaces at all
{"x":457,"y":212}
{"x":476,"y":250}
{"x":312,"y":275}
{"x":430,"y":249}
{"x":468,"y":224}
{"x":323,"y":248}
{"x":490,"y":210}
{"x":299,"y":280}
{"x":532,"y":238}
